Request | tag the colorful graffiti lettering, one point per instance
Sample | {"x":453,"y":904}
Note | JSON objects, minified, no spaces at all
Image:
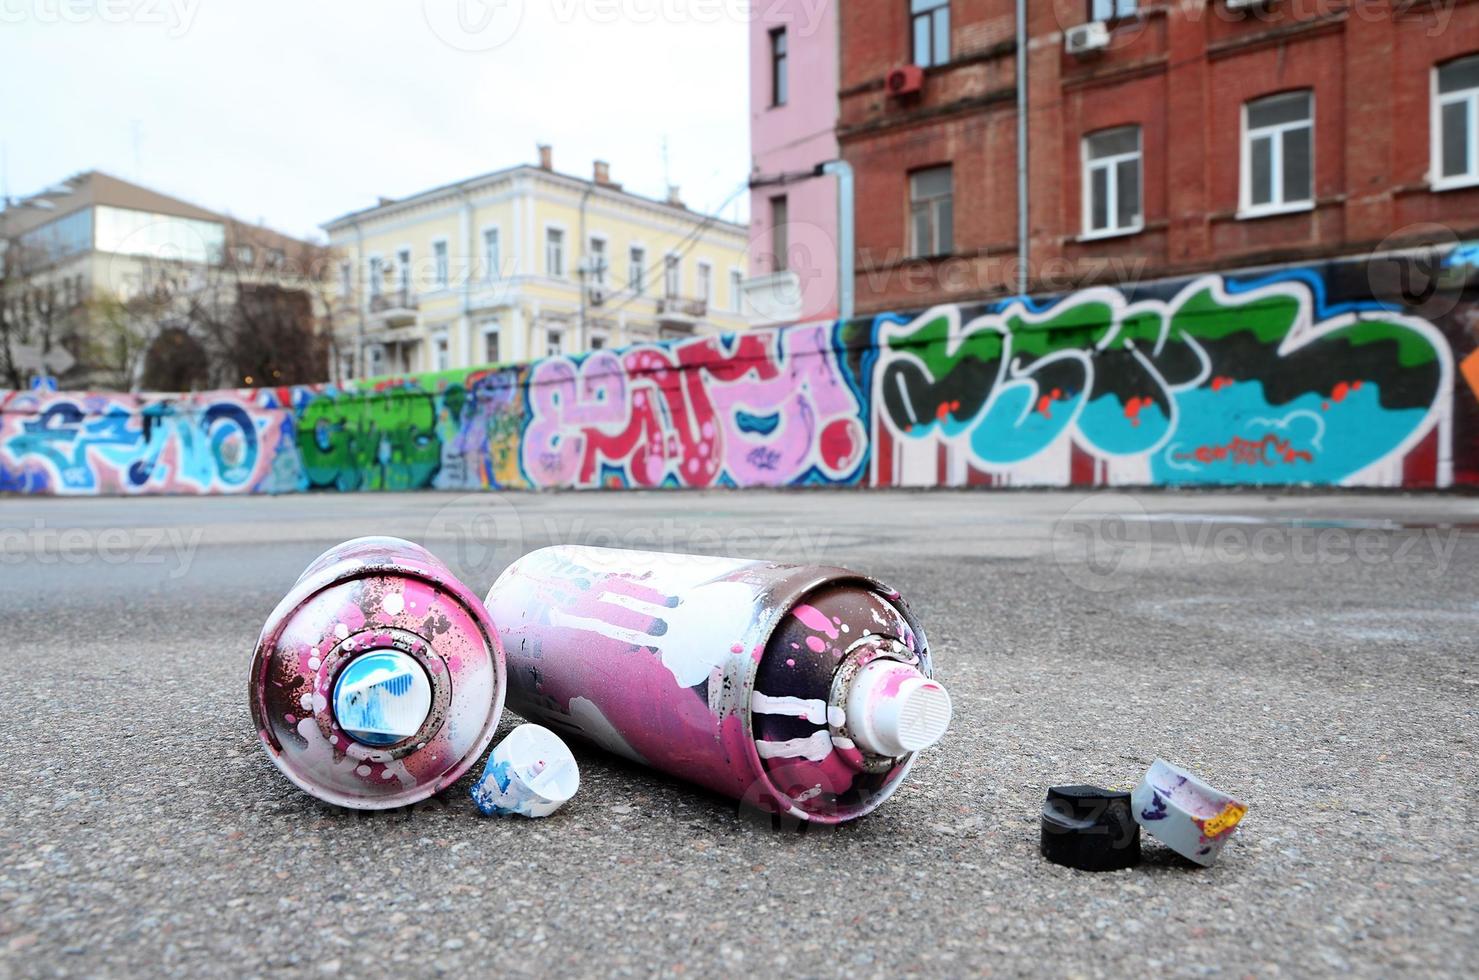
{"x":1297,"y":377}
{"x":105,"y":443}
{"x":758,"y":409}
{"x":1138,"y":386}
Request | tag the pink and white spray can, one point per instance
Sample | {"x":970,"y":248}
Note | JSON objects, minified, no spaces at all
{"x":379,"y":679}
{"x":800,"y":690}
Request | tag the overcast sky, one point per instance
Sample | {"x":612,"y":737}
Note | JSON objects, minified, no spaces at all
{"x":297,"y":111}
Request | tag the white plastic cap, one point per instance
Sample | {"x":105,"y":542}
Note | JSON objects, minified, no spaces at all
{"x":893,"y":709}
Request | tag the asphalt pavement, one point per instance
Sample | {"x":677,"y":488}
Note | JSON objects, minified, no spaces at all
{"x":1313,"y":654}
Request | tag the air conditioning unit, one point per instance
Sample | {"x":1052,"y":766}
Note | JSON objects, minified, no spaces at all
{"x":1086,"y":38}
{"x":905,"y":80}
{"x":1247,"y":4}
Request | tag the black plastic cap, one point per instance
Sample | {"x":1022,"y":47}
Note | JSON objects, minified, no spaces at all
{"x":1089,"y":828}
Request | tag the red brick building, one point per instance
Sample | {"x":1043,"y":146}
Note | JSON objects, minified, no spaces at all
{"x":1186,"y":136}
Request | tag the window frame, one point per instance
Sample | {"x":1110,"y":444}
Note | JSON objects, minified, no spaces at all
{"x":1277,"y":206}
{"x":593,"y":276}
{"x":780,"y":233}
{"x":1110,"y":163}
{"x":672,"y":276}
{"x":941,"y":8}
{"x":441,"y":263}
{"x":1114,"y":15}
{"x":563,"y":271}
{"x":736,"y":290}
{"x":705,"y":281}
{"x":915,"y":252}
{"x":637,"y":271}
{"x":1437,"y":180}
{"x":491,"y":328}
{"x":780,"y":67}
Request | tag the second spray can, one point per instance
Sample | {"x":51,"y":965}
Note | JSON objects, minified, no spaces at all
{"x":802,"y":690}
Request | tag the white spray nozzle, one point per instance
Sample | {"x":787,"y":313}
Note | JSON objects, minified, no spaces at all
{"x":893,"y":709}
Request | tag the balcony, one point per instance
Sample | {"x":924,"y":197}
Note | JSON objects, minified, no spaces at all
{"x":676,"y":312}
{"x":773,"y":298}
{"x":394,"y":309}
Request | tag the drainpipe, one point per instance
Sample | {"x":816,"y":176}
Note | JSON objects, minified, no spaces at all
{"x":1023,"y":227}
{"x":842,"y":170}
{"x":469,"y":241}
{"x":359,"y":261}
{"x":583,"y":339}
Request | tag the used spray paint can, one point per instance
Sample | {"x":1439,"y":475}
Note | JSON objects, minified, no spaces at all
{"x":801,"y":690}
{"x":379,"y":679}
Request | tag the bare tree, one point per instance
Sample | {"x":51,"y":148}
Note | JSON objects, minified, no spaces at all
{"x":41,"y":313}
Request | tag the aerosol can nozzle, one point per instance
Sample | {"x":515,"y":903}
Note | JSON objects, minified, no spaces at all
{"x":893,"y":709}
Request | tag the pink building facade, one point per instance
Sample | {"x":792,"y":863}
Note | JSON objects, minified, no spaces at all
{"x":793,"y":123}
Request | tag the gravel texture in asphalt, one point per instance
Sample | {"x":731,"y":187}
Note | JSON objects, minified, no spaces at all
{"x":1313,"y":654}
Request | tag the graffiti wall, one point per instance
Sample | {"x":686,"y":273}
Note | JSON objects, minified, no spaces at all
{"x":1302,"y":376}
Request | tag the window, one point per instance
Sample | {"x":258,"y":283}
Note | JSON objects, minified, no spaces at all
{"x":441,"y":356}
{"x":930,"y":20}
{"x":931,"y":212}
{"x":779,"y":84}
{"x":554,"y":344}
{"x":780,"y":220}
{"x":490,"y":254}
{"x":672,"y":277}
{"x":598,"y":261}
{"x":554,"y":253}
{"x":490,"y":342}
{"x":346,"y":278}
{"x":637,"y":270}
{"x":1456,"y":123}
{"x":439,"y":259}
{"x":597,"y":341}
{"x":377,"y":275}
{"x":705,"y":282}
{"x":403,"y":270}
{"x":1112,"y":181}
{"x":1111,"y":9}
{"x":1278,"y":153}
{"x":736,"y":288}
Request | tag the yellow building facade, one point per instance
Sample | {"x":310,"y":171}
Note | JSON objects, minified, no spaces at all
{"x":523,"y":263}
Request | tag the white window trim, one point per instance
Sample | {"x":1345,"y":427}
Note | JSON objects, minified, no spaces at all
{"x":1110,"y":163}
{"x":564,"y":275}
{"x":736,"y":286}
{"x":642,"y":288}
{"x":496,"y":273}
{"x":677,"y":293}
{"x":437,"y":286}
{"x":1436,"y":180}
{"x":439,"y":337}
{"x":605,"y":240}
{"x":486,"y":328}
{"x":1247,"y":210}
{"x":374,"y":286}
{"x":698,"y":280}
